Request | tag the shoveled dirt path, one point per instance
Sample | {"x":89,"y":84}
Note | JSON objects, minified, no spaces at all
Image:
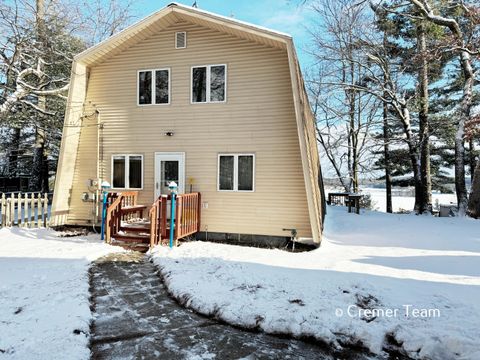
{"x":134,"y":318}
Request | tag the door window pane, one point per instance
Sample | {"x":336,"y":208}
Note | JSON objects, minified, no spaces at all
{"x":135,"y":172}
{"x":226,"y":171}
{"x":245,"y":173}
{"x":145,"y":87}
{"x":161,"y":87}
{"x":217,"y":83}
{"x":119,"y":172}
{"x":169,"y":172}
{"x":199,"y":84}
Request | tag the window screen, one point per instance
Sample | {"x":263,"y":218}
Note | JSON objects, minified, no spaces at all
{"x":226,"y":173}
{"x":236,"y":172}
{"x":145,"y":87}
{"x":118,"y":172}
{"x":199,"y":84}
{"x":217,"y":83}
{"x":245,"y":172}
{"x":135,"y":172}
{"x":161,"y":87}
{"x":127,"y":171}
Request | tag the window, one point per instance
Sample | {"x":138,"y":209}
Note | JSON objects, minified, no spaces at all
{"x":209,"y":83}
{"x":236,"y":172}
{"x":180,"y":40}
{"x":127,"y":171}
{"x":154,"y":87}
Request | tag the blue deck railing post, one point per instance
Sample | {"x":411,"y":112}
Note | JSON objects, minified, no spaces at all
{"x":173,"y":191}
{"x":105,"y":186}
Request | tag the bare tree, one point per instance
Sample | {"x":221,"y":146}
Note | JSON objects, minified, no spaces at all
{"x":460,"y":45}
{"x":345,"y":115}
{"x":38,"y":40}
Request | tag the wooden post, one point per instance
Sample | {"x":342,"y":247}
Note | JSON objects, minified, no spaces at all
{"x":7,"y":212}
{"x":199,"y":212}
{"x":10,"y":211}
{"x":163,"y":218}
{"x":14,"y":209}
{"x":25,"y":210}
{"x":4,"y":210}
{"x":32,"y":207}
{"x":45,"y":208}
{"x":153,"y":225}
{"x":40,"y":210}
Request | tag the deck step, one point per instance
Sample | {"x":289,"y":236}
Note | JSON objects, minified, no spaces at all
{"x":131,"y":238}
{"x":136,"y":228}
{"x":132,"y":209}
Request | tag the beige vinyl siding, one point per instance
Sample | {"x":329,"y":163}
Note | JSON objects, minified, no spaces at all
{"x":69,"y":146}
{"x":258,"y":117}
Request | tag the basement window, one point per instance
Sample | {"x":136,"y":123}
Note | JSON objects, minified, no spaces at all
{"x":209,"y":83}
{"x":154,"y":87}
{"x":180,"y":40}
{"x":127,"y":171}
{"x":236,"y":172}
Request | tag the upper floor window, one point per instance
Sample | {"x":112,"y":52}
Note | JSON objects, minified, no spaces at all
{"x":209,"y":83}
{"x":236,"y":172}
{"x":127,"y":171}
{"x":154,"y":87}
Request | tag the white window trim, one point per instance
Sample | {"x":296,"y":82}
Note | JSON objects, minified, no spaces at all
{"x":235,"y":172}
{"x":154,"y":87}
{"x":176,"y":42}
{"x":208,"y":84}
{"x":127,"y":172}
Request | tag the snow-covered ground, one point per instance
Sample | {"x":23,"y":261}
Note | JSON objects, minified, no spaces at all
{"x":414,"y":280}
{"x":403,"y":203}
{"x":44,"y":298}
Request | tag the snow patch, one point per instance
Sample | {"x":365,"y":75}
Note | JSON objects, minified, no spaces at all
{"x":383,"y":281}
{"x":44,"y":298}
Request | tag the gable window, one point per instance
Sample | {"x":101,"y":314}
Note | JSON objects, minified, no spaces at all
{"x":127,"y":171}
{"x":236,"y":172}
{"x":209,"y":83}
{"x":180,"y":40}
{"x":154,"y":87}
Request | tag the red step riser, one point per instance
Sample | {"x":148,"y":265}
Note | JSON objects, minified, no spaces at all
{"x":129,"y":239}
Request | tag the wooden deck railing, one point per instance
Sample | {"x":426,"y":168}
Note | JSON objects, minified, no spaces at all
{"x":188,"y":215}
{"x":158,"y":220}
{"x":116,"y":211}
{"x":124,"y":207}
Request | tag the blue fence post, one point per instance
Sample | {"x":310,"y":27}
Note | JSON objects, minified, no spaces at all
{"x":105,"y":187}
{"x":173,"y":191}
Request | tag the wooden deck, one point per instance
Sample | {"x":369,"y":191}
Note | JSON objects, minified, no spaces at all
{"x":126,"y":226}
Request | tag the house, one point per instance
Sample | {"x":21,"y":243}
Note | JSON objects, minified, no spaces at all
{"x":213,"y":103}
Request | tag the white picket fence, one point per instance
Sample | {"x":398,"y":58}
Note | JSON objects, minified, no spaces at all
{"x":24,"y":210}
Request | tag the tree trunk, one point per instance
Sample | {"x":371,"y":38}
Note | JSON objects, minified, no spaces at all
{"x":464,"y":115}
{"x":14,"y":152}
{"x":414,"y":159}
{"x":471,"y":145}
{"x":425,"y":200}
{"x":37,"y":183}
{"x":474,"y":200}
{"x":386,"y":155}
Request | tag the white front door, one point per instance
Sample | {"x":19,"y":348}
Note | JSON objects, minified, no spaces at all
{"x":169,"y":167}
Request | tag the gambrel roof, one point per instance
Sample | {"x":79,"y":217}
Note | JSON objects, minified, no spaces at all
{"x":158,"y":21}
